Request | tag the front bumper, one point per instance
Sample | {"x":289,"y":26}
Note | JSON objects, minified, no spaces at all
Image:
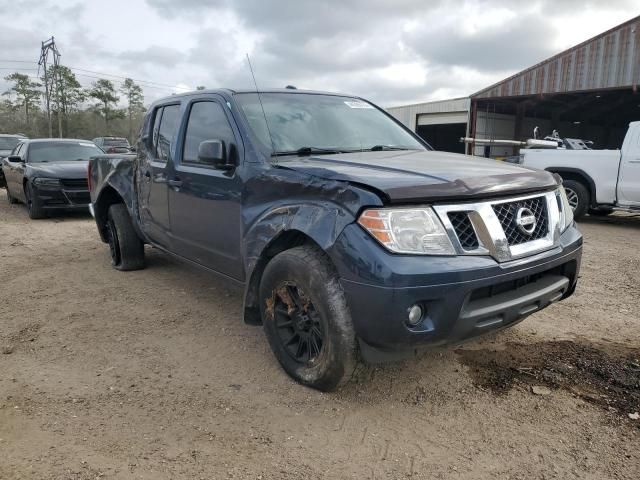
{"x":462,"y":296}
{"x":63,"y":197}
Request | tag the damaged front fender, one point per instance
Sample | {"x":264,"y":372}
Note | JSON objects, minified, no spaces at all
{"x":302,"y":219}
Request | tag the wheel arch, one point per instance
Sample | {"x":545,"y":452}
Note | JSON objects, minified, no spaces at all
{"x":108,"y":196}
{"x":285,"y":240}
{"x":282,"y":228}
{"x":578,"y":175}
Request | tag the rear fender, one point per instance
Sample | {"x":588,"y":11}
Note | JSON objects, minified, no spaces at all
{"x":112,"y":179}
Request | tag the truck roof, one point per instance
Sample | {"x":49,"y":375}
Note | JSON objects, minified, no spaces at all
{"x":230,"y":92}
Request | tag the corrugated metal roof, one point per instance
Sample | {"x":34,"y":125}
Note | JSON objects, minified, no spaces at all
{"x":609,"y":60}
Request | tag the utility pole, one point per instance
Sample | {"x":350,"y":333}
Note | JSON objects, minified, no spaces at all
{"x":49,"y":46}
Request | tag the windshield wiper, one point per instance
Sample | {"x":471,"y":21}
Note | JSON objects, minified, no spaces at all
{"x":379,"y":148}
{"x":310,"y":151}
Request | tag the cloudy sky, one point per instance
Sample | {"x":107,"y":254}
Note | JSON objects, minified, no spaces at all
{"x":390,"y":51}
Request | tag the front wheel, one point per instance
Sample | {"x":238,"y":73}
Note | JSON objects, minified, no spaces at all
{"x":126,"y":248}
{"x":578,"y":197}
{"x":306,"y":319}
{"x":34,"y":205}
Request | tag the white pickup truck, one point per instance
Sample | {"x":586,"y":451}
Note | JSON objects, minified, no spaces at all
{"x":596,"y":181}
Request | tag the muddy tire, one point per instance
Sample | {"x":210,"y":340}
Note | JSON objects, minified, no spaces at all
{"x":578,"y":197}
{"x":126,"y":248}
{"x":34,"y":205}
{"x":306,"y":318}
{"x":10,"y":199}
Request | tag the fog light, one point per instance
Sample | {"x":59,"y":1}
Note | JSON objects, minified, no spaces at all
{"x":415,"y":315}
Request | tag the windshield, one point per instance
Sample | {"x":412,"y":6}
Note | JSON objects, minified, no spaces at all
{"x":311,"y":123}
{"x":41,"y":152}
{"x":9,"y":143}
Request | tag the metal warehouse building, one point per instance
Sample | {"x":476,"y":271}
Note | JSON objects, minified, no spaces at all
{"x":589,"y":91}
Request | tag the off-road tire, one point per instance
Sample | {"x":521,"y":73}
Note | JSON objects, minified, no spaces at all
{"x":582,"y":195}
{"x":126,"y":248}
{"x":34,"y":206}
{"x":310,"y":270}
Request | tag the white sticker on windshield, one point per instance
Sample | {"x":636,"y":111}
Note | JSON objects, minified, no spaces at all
{"x":356,"y":104}
{"x":87,"y":145}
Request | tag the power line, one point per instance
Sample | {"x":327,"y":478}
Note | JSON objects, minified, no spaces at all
{"x":18,"y":61}
{"x":118,"y":82}
{"x":103,"y":74}
{"x":124,"y":78}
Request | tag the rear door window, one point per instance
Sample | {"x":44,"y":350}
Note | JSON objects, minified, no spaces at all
{"x":167,"y":131}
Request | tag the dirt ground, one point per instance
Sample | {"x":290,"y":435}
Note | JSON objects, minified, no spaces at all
{"x":153,"y":375}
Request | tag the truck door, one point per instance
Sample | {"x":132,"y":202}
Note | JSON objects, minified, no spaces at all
{"x":629,"y":180}
{"x":152,"y":174}
{"x":204,"y":202}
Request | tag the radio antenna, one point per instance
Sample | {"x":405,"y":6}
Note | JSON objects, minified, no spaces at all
{"x":266,"y":122}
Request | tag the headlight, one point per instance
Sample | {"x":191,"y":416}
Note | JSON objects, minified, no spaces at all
{"x":47,"y":182}
{"x":566,"y":212}
{"x":407,"y":230}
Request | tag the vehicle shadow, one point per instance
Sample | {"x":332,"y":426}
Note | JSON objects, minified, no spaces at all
{"x":61,"y":215}
{"x":616,"y":220}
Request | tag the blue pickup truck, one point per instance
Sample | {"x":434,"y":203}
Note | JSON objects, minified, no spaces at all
{"x":352,"y":239}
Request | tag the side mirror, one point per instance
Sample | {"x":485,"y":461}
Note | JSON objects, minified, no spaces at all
{"x":214,"y":153}
{"x":15,"y":159}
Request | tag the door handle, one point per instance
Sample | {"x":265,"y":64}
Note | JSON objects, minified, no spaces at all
{"x":176,"y":183}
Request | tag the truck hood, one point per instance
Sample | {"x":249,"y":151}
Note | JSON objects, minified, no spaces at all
{"x":413,"y":176}
{"x":71,"y":169}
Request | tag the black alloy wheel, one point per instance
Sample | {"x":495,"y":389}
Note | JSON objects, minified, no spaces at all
{"x":306,"y":318}
{"x":298,"y":325}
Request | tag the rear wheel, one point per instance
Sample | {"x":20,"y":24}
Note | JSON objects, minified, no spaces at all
{"x":126,"y":248}
{"x":578,"y":197}
{"x":306,"y":319}
{"x":34,"y":205}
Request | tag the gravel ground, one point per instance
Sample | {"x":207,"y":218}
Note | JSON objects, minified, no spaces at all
{"x":153,"y":375}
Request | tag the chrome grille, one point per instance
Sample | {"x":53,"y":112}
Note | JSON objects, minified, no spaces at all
{"x":506,"y":213}
{"x":495,"y":232}
{"x":464,"y":230}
